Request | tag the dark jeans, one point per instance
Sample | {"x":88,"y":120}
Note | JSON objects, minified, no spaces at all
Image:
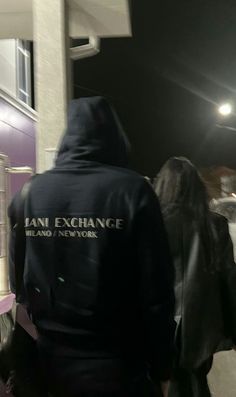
{"x":26,"y":377}
{"x":186,"y":383}
{"x":73,"y":377}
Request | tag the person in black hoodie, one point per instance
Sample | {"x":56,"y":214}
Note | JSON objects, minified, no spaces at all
{"x":98,"y":273}
{"x":205,"y":276}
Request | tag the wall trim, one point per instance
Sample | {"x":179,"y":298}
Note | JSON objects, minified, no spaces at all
{"x":19,"y":105}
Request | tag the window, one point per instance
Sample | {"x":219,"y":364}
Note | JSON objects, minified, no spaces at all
{"x":24,"y":72}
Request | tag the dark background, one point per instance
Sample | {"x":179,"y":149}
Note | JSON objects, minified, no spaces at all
{"x":167,"y":80}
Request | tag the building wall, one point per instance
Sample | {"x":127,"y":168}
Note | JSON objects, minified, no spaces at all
{"x":17,"y":130}
{"x":8,"y":66}
{"x":17,"y":140}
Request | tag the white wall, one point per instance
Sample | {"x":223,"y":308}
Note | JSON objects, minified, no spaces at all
{"x":8,"y":66}
{"x":50,"y":77}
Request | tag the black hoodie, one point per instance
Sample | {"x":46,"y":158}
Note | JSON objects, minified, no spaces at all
{"x":97,"y":270}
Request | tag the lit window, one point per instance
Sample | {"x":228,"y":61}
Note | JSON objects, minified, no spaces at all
{"x":24,"y":81}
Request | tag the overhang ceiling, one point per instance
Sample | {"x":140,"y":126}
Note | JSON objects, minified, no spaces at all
{"x":104,"y":18}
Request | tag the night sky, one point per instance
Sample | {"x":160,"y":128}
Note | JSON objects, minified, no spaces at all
{"x":167,"y":80}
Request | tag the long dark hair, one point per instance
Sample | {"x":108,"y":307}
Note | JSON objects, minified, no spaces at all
{"x":180,"y":185}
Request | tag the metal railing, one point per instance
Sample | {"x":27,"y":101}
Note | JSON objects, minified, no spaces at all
{"x":5,"y":170}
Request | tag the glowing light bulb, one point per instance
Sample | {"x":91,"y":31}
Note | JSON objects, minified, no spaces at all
{"x":225,"y":109}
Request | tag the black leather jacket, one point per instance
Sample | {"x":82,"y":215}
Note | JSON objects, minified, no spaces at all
{"x":205,"y":299}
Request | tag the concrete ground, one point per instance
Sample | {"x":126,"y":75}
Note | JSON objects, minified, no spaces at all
{"x":222,"y":377}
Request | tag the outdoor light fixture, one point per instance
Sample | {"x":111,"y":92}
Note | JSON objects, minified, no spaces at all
{"x":225,"y":109}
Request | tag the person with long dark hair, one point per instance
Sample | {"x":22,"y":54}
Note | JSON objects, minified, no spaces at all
{"x":205,"y":276}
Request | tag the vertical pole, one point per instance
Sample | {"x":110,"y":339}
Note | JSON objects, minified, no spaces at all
{"x":51,"y":74}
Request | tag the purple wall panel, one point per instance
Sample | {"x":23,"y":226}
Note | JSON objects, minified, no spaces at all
{"x":16,"y":119}
{"x":17,"y":140}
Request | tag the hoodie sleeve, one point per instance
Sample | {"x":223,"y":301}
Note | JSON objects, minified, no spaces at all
{"x":156,"y":291}
{"x":228,"y":271}
{"x":12,"y":214}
